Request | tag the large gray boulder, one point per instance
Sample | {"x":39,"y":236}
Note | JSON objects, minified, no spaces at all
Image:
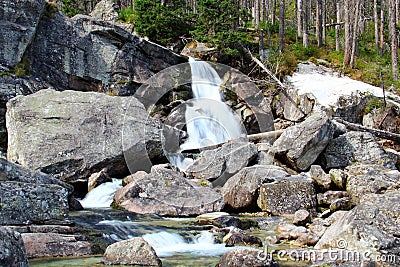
{"x":363,"y":179}
{"x":166,"y":192}
{"x":355,"y":147}
{"x":18,"y":22}
{"x":371,"y":228}
{"x":286,"y":195}
{"x":28,"y":196}
{"x":300,"y":145}
{"x":82,"y":53}
{"x":12,"y":249}
{"x":135,"y":251}
{"x":241,"y":190}
{"x":73,"y":134}
{"x":24,"y":203}
{"x":223,"y":162}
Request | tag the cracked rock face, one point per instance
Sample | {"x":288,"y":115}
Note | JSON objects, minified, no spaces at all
{"x":73,"y":134}
{"x":84,"y":54}
{"x":18,"y":21}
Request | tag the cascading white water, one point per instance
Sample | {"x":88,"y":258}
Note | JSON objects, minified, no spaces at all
{"x":209,"y":121}
{"x":101,"y":196}
{"x":167,"y":244}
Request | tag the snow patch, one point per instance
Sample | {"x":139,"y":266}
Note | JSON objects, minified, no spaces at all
{"x":327,"y":87}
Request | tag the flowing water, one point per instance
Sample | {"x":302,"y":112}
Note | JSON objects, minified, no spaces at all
{"x":209,"y":121}
{"x":101,"y":196}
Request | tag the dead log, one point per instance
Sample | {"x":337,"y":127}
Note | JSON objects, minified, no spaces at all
{"x":264,"y":136}
{"x":379,"y":133}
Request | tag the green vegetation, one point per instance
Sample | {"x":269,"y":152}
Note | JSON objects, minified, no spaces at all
{"x":50,"y":10}
{"x":21,"y":69}
{"x":71,"y":7}
{"x":216,"y":22}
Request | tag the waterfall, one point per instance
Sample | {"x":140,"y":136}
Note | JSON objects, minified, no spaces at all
{"x":167,"y":244}
{"x":102,"y":196}
{"x":209,"y":121}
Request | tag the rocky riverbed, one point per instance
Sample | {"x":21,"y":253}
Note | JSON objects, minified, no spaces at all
{"x":87,"y":111}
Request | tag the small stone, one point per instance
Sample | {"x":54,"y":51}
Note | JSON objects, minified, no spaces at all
{"x":320,"y":178}
{"x":329,"y":197}
{"x":296,"y":232}
{"x":135,"y":251}
{"x":98,"y":178}
{"x":307,"y":239}
{"x":301,"y":217}
{"x":339,"y":178}
{"x":341,"y":204}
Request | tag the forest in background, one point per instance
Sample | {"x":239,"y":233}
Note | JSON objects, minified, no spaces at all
{"x":358,"y":37}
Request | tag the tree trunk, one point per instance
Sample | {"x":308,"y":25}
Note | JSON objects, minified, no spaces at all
{"x":324,"y":18}
{"x":393,"y":37}
{"x":261,"y":45}
{"x":382,"y":32}
{"x":299,"y":17}
{"x":319,"y":23}
{"x":376,"y":22}
{"x":281,"y":25}
{"x":337,"y":27}
{"x":355,"y":32}
{"x":305,"y":23}
{"x":273,"y":11}
{"x":347,"y":34}
{"x":397,"y":11}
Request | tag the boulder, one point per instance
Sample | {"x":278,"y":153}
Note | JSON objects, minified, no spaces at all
{"x":286,"y":195}
{"x":98,"y":178}
{"x":301,"y":217}
{"x":341,"y":204}
{"x":73,"y":134}
{"x":363,"y":179}
{"x":246,"y":258}
{"x":19,"y":20}
{"x":55,"y":245}
{"x":12,"y":249}
{"x":223,"y":162}
{"x":339,"y":178}
{"x":300,"y":145}
{"x":239,"y":238}
{"x":355,"y":147}
{"x":135,"y":251}
{"x":12,"y":172}
{"x":295,"y":106}
{"x":320,"y":178}
{"x":166,"y":192}
{"x":11,"y":87}
{"x":28,"y":196}
{"x":328,"y":197}
{"x":82,"y":53}
{"x":105,"y":10}
{"x":241,"y":190}
{"x":24,"y":203}
{"x":375,"y":221}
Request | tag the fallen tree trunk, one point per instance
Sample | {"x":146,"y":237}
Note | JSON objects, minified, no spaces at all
{"x":266,"y":135}
{"x":379,"y":133}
